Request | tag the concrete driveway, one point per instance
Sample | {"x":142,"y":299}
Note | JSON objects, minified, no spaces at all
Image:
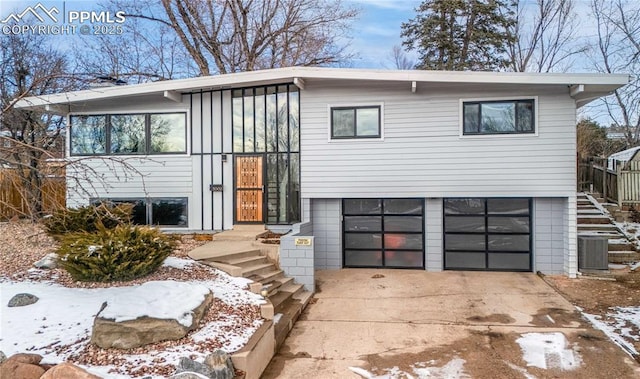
{"x":440,"y":325}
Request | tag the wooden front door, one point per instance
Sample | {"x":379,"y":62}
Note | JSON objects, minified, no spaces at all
{"x":249,"y":188}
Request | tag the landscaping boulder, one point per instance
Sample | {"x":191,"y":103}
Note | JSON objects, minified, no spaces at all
{"x":49,"y":262}
{"x":217,"y":365}
{"x":108,"y":333}
{"x":2,"y":357}
{"x":22,"y":299}
{"x":68,"y":371}
{"x":22,"y":366}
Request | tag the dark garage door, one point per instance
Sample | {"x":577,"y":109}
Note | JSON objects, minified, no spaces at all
{"x":487,"y":234}
{"x":383,"y":233}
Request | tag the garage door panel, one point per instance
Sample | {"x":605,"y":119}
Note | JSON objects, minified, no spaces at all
{"x":487,"y":234}
{"x":464,"y":206}
{"x":465,"y":260}
{"x":402,"y":224}
{"x":508,"y":206}
{"x":403,"y":206}
{"x":464,"y":224}
{"x":500,"y":242}
{"x":362,"y":206}
{"x":508,"y":224}
{"x":363,"y":223}
{"x":403,"y":258}
{"x":363,"y":258}
{"x":508,"y":261}
{"x":363,"y":241}
{"x":465,"y":242}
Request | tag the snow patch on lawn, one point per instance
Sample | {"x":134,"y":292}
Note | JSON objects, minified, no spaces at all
{"x":631,"y":230}
{"x":454,"y":369}
{"x":63,"y":317}
{"x":548,"y":351}
{"x":163,"y":299}
{"x":620,"y":325}
{"x":179,"y":263}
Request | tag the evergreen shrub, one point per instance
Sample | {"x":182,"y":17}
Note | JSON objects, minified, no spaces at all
{"x":123,"y":253}
{"x":87,"y":218}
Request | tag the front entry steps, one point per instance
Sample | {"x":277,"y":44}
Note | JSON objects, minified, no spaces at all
{"x":594,"y":220}
{"x":239,"y":254}
{"x":287,"y":299}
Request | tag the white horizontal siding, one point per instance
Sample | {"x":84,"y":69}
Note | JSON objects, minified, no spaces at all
{"x":422,"y":153}
{"x":126,"y":177}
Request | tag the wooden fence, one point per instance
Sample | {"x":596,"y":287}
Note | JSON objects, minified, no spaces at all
{"x":621,"y":186}
{"x":14,"y":202}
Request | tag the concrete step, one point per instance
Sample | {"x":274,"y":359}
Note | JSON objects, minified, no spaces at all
{"x":267,"y":277}
{"x":261,"y":268}
{"x":603,"y":233}
{"x":304,"y":297}
{"x":620,"y":245}
{"x":624,"y":256}
{"x":247,"y":261}
{"x":589,"y":211}
{"x":290,"y":312}
{"x":229,"y":269}
{"x":273,"y":286}
{"x":597,"y":227}
{"x":233,"y":255}
{"x":293,"y":288}
{"x":279,"y":300}
{"x":593,"y":219}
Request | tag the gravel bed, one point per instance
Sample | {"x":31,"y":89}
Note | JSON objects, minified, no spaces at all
{"x":22,"y":243}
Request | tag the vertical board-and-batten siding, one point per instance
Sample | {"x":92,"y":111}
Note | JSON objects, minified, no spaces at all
{"x":422,"y":153}
{"x":210,"y":128}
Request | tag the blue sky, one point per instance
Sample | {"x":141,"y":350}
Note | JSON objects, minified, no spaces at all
{"x":377,"y":29}
{"x":375,"y":32}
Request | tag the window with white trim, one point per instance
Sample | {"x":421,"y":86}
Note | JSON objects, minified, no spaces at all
{"x":355,"y":122}
{"x":499,"y":117}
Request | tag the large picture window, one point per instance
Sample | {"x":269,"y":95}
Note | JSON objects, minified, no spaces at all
{"x":383,"y":233}
{"x":487,"y":234}
{"x":143,"y":133}
{"x":88,"y":135}
{"x":355,"y":122}
{"x":499,"y":117}
{"x":169,"y":211}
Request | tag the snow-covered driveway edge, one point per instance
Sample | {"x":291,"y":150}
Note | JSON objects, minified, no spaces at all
{"x":615,"y":329}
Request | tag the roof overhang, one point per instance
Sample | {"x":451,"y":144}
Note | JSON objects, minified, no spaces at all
{"x":582,"y":87}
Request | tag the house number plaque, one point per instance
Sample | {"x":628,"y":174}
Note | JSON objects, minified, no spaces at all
{"x":303,"y":241}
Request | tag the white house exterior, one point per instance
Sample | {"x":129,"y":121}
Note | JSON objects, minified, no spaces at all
{"x":404,"y":169}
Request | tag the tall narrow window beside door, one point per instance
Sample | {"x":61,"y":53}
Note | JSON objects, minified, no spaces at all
{"x":266,"y":121}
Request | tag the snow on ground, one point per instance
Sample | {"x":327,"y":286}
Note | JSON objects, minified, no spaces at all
{"x":165,"y":299}
{"x":631,"y":230}
{"x":64,"y":316}
{"x":179,"y":263}
{"x":548,"y":351}
{"x":454,"y":369}
{"x":617,"y":326}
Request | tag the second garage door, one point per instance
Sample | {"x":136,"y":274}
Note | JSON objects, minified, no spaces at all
{"x":487,"y":234}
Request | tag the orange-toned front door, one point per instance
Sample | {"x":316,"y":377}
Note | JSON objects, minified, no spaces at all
{"x":249,"y":188}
